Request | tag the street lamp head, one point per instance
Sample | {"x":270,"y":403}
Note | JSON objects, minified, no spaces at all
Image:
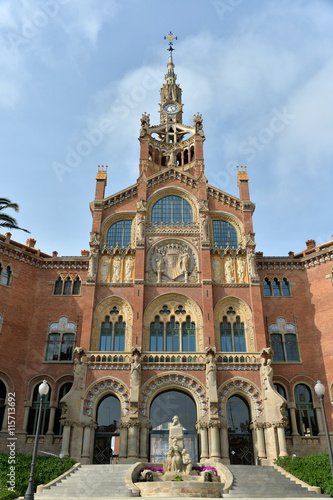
{"x":319,"y":388}
{"x":43,"y":388}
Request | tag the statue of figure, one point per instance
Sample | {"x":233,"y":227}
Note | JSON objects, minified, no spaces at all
{"x":140,"y":228}
{"x":93,"y":258}
{"x":187,"y":462}
{"x":144,"y":125}
{"x":104,"y":270}
{"x":197,"y":123}
{"x":216,"y":270}
{"x":172,"y":159}
{"x":176,"y":434}
{"x":177,"y":462}
{"x":116,"y":269}
{"x":128,"y":269}
{"x":205,"y":228}
{"x":159,"y":263}
{"x":266,"y":374}
{"x":185,"y":260}
{"x":203,"y":205}
{"x":240,"y":269}
{"x":228,"y":271}
{"x":167,"y":463}
{"x":251,"y":261}
{"x":135,"y":371}
{"x":80,"y":368}
{"x":211,"y":371}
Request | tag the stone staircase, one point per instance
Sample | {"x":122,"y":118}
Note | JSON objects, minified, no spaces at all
{"x":90,"y":481}
{"x":264,"y":482}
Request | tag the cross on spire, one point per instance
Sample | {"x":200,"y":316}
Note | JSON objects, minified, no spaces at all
{"x":170,"y":37}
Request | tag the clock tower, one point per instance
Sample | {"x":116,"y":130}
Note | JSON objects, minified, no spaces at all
{"x":171,"y":143}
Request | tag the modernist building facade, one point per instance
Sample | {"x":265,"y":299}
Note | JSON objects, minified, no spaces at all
{"x":171,"y":311}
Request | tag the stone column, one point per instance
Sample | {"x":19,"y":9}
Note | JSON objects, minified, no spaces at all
{"x":25,"y":418}
{"x":224,"y":444}
{"x":66,"y":434}
{"x":282,"y":441}
{"x":214,"y":439}
{"x":51,"y":420}
{"x":292,"y":409}
{"x":133,"y":440}
{"x":203,"y":432}
{"x":86,"y":442}
{"x":321,"y":431}
{"x":123,"y":439}
{"x":271,"y":441}
{"x":261,"y":442}
{"x":144,"y":437}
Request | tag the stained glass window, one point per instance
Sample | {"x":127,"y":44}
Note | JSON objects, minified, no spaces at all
{"x":277,"y":346}
{"x":224,"y":233}
{"x":232,"y":335}
{"x":305,"y":413}
{"x":290,"y":340}
{"x":172,"y":209}
{"x":113,"y":335}
{"x":120,"y":232}
{"x":188,"y":335}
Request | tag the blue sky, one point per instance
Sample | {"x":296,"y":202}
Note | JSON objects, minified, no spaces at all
{"x":260,"y":73}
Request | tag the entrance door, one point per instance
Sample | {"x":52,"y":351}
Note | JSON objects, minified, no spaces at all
{"x":106,"y":449}
{"x":239,"y":434}
{"x":165,"y":406}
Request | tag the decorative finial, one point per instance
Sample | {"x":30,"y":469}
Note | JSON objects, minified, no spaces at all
{"x":170,"y":37}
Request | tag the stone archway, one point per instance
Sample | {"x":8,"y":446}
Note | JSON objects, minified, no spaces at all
{"x":106,"y":446}
{"x":239,"y":433}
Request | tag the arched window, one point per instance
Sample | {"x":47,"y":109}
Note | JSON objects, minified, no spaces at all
{"x":77,"y":286}
{"x":267,"y":288}
{"x":285,"y":287}
{"x":3,"y":393}
{"x":119,"y":233}
{"x":60,"y":341}
{"x":58,"y":286}
{"x":172,"y":209}
{"x":34,"y":410}
{"x":113,"y":333}
{"x":284,"y":341}
{"x":6,"y":275}
{"x":224,"y":233}
{"x":64,"y":389}
{"x":68,"y":286}
{"x":305,"y":413}
{"x":173,"y":333}
{"x":281,"y":390}
{"x":276,"y":287}
{"x":232,"y":333}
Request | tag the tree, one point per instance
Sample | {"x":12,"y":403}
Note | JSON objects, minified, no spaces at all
{"x":5,"y":219}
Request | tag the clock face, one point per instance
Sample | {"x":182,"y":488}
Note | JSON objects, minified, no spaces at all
{"x":171,"y":108}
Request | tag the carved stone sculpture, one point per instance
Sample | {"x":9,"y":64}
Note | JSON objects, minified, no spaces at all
{"x":205,"y":227}
{"x":116,"y":266}
{"x":129,"y":264}
{"x":173,"y":261}
{"x":251,"y":262}
{"x":228,"y":270}
{"x":240,"y":269}
{"x":177,"y":458}
{"x":176,"y":433}
{"x":95,"y":239}
{"x":104,"y":269}
{"x":211,"y":379}
{"x":140,"y":227}
{"x":135,"y":378}
{"x":93,"y":260}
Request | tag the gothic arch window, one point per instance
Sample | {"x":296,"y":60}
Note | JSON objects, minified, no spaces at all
{"x":3,"y":394}
{"x":64,"y":389}
{"x":60,"y":341}
{"x":281,"y":390}
{"x":113,"y":330}
{"x":284,"y":341}
{"x":232,"y":333}
{"x":5,"y":275}
{"x":276,"y":288}
{"x":305,"y":413}
{"x":34,"y":410}
{"x":119,"y":233}
{"x":224,"y":233}
{"x":173,"y":330}
{"x":172,"y":209}
{"x":67,"y":285}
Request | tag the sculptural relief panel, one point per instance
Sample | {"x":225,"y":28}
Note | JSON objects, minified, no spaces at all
{"x":229,"y":266}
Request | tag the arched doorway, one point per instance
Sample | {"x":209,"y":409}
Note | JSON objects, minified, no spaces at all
{"x":239,"y":434}
{"x":106,"y":449}
{"x":165,"y":406}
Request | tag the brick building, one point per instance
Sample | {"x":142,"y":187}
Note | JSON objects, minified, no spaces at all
{"x":170,"y":312}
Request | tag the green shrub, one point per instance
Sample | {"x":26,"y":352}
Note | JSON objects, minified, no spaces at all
{"x":47,"y":469}
{"x":314,"y":470}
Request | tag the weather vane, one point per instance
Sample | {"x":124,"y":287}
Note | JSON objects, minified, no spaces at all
{"x":170,"y":37}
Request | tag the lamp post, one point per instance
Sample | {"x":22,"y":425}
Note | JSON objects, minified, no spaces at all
{"x":320,"y":391}
{"x":43,"y":390}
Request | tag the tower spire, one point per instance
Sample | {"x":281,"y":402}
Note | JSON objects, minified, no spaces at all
{"x":171,"y":77}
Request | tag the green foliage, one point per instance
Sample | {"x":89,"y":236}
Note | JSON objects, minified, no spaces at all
{"x":314,"y":470}
{"x":47,"y":469}
{"x":178,"y":478}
